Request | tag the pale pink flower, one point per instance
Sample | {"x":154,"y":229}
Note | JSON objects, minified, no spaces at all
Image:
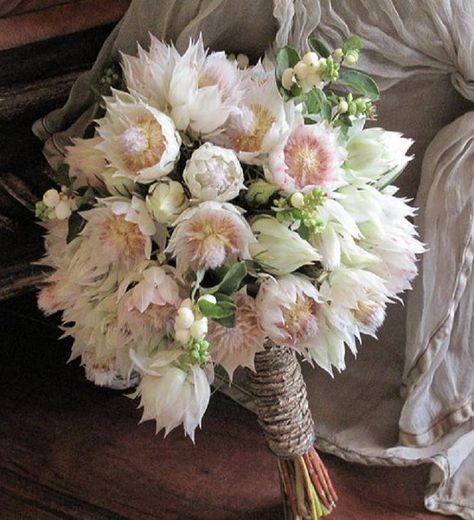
{"x":210,"y":235}
{"x":288,"y":311}
{"x":237,"y":346}
{"x":86,"y":162}
{"x":309,"y":157}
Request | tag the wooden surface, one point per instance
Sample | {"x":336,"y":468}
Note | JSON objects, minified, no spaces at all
{"x":73,"y":451}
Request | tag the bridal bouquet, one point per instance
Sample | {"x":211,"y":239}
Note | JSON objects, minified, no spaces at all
{"x":233,"y":215}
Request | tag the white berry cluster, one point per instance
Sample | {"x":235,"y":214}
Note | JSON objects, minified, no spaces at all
{"x":59,"y":204}
{"x":190,"y":323}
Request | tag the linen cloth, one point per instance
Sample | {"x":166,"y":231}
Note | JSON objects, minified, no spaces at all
{"x":408,"y":398}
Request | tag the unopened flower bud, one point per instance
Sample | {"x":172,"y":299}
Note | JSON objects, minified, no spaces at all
{"x":351,"y":57}
{"x":301,"y":70}
{"x":297,"y":200}
{"x":287,"y":78}
{"x":343,"y":106}
{"x":311,"y":59}
{"x":51,"y":198}
{"x":243,"y":61}
{"x":338,"y":54}
{"x":184,"y":319}
{"x":208,"y":298}
{"x":63,"y":209}
{"x":199,"y":328}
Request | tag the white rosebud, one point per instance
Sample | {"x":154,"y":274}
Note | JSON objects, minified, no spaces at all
{"x":199,"y":328}
{"x":301,"y":70}
{"x":184,"y":318}
{"x":297,"y":200}
{"x":182,"y":335}
{"x":279,"y":249}
{"x":288,"y":78}
{"x":214,"y":173}
{"x":63,"y":209}
{"x":208,"y":298}
{"x":166,"y":201}
{"x":51,"y":198}
{"x":243,"y":61}
{"x":311,"y":59}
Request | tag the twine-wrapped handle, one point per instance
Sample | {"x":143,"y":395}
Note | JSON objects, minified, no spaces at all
{"x":281,"y":402}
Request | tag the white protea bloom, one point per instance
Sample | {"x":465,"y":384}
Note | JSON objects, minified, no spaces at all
{"x":169,"y":394}
{"x":387,"y":233}
{"x":110,"y":238}
{"x":198,"y":90}
{"x":237,"y":346}
{"x":166,"y":200}
{"x":210,"y":235}
{"x":214,"y":173}
{"x":139,"y":141}
{"x":152,"y":301}
{"x":86,"y":162}
{"x":279,"y":249}
{"x":374,"y":151}
{"x":262,"y":121}
{"x":288,"y":310}
{"x":309,"y":157}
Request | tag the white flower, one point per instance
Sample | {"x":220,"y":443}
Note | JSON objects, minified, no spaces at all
{"x":373,"y":152}
{"x":288,"y":311}
{"x":170,"y":395}
{"x":198,"y":90}
{"x":210,"y":235}
{"x":309,"y":157}
{"x":237,"y":346}
{"x":139,"y":141}
{"x":279,"y":249}
{"x":86,"y":162}
{"x":51,"y":198}
{"x":135,"y":211}
{"x":261,"y":122}
{"x":166,"y":201}
{"x":214,"y":173}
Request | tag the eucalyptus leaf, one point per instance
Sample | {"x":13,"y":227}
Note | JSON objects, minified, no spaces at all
{"x":76,"y":224}
{"x":286,"y":57}
{"x":319,"y":47}
{"x":354,"y":43}
{"x":360,"y":82}
{"x":317,"y":103}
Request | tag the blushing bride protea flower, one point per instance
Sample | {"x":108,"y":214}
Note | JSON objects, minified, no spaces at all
{"x":86,"y":162}
{"x":309,"y":157}
{"x":237,"y":346}
{"x":139,"y":141}
{"x":214,"y":173}
{"x":279,"y":249}
{"x":288,"y":311}
{"x":210,"y":235}
{"x":171,"y":394}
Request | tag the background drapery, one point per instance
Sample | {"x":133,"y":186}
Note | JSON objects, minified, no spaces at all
{"x":408,"y":398}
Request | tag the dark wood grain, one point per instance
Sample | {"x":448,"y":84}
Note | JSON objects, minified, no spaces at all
{"x":73,"y":451}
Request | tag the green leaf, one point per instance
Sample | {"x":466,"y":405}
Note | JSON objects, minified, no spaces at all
{"x":354,"y":43}
{"x":319,"y":47}
{"x":232,"y":279}
{"x":200,"y":273}
{"x":259,"y":192}
{"x":216,"y":311}
{"x":221,"y":297}
{"x":62,"y":175}
{"x":286,"y":57}
{"x":317,"y":103}
{"x":228,"y":322}
{"x":389,"y":178}
{"x":75,"y":226}
{"x":360,"y":82}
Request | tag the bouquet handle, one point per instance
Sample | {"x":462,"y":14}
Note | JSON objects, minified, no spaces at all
{"x":283,"y":412}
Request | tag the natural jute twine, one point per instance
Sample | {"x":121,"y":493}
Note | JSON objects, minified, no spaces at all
{"x":281,"y":401}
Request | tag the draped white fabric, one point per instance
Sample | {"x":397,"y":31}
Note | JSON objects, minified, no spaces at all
{"x":408,"y":398}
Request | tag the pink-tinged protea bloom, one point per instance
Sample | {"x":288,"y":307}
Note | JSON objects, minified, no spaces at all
{"x":210,"y":235}
{"x":237,"y":346}
{"x":152,"y":302}
{"x":288,"y":311}
{"x":86,"y":162}
{"x":139,"y":141}
{"x":309,"y":157}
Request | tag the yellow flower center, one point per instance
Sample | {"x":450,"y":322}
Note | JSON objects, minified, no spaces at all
{"x":252,"y":139}
{"x":142,"y":145}
{"x":300,"y":321}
